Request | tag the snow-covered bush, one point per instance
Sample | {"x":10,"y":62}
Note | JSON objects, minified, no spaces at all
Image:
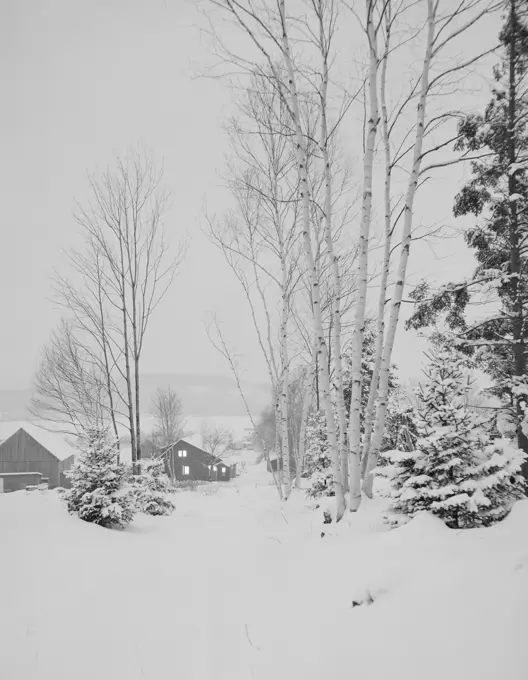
{"x":456,"y":471}
{"x":99,"y":494}
{"x":151,"y":488}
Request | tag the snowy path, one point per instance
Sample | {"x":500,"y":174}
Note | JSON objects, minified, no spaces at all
{"x":228,"y":588}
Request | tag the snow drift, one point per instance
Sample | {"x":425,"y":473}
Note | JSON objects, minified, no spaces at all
{"x":232,"y":586}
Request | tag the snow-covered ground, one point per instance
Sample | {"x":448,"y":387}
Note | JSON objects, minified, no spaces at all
{"x":231,"y":587}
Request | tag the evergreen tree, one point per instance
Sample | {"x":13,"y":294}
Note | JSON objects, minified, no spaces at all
{"x":399,"y":417}
{"x":318,"y":463}
{"x":367,"y":369}
{"x":497,"y":195}
{"x":152,"y":487}
{"x":456,"y":471}
{"x":401,"y":430}
{"x":98,"y":493}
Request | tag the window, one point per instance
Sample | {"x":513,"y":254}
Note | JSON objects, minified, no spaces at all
{"x":209,"y":467}
{"x":182,"y":454}
{"x":185,"y":470}
{"x":214,"y":468}
{"x":224,"y":471}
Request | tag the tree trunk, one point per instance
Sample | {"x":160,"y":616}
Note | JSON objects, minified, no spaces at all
{"x":284,"y":384}
{"x":336,"y":280}
{"x":138,"y":410}
{"x":381,"y":410}
{"x":128,"y":374}
{"x":278,"y":434}
{"x":108,"y":373}
{"x":515,"y":254}
{"x":322,"y":351}
{"x":380,"y":324}
{"x":359,"y":316}
{"x":317,"y":395}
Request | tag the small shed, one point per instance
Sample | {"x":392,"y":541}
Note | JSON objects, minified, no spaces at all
{"x":14,"y":481}
{"x":186,"y":461}
{"x":25,"y":447}
{"x":274,"y":464}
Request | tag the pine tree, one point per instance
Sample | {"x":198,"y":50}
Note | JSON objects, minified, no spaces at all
{"x":317,"y":457}
{"x":152,"y":487}
{"x":318,"y":463}
{"x":98,"y":494}
{"x":497,"y":196}
{"x":401,"y":431}
{"x":456,"y":472}
{"x":367,"y":369}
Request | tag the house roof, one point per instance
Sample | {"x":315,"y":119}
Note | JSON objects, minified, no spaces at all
{"x":189,"y":441}
{"x":195,"y":439}
{"x":216,"y":460}
{"x":53,"y":442}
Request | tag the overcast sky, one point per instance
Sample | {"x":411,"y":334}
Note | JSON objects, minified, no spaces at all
{"x":83,"y":80}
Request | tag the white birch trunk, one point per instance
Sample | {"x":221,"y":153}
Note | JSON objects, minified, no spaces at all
{"x":322,"y":350}
{"x":284,"y":384}
{"x":359,"y":316}
{"x":381,"y":410}
{"x":336,"y":275}
{"x":380,"y":325}
{"x":278,"y":445}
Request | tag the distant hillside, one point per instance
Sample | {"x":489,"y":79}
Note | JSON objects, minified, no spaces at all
{"x":206,"y":395}
{"x":202,"y":395}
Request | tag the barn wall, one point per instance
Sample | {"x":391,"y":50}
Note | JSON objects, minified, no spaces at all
{"x":21,"y":453}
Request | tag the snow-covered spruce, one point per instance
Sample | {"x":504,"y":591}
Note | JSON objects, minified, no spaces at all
{"x":456,"y":471}
{"x":152,"y":487}
{"x":400,"y":426}
{"x":98,"y":492}
{"x":318,"y":462}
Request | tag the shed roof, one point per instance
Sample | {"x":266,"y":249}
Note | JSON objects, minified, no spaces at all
{"x":53,"y":442}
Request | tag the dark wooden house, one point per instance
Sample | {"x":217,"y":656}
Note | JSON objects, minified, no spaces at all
{"x":26,"y":448}
{"x":186,"y":461}
{"x":277,"y":464}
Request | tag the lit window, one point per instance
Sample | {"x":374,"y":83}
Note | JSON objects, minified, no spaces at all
{"x":185,"y":470}
{"x":180,"y":453}
{"x":214,"y":468}
{"x":224,"y":471}
{"x":184,"y":454}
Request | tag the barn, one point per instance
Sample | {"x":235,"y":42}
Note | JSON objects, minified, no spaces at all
{"x":27,"y":451}
{"x":186,"y":461}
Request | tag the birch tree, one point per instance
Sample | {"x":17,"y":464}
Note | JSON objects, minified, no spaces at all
{"x":259,"y":238}
{"x":372,"y":23}
{"x":442,"y":28}
{"x":268,"y":29}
